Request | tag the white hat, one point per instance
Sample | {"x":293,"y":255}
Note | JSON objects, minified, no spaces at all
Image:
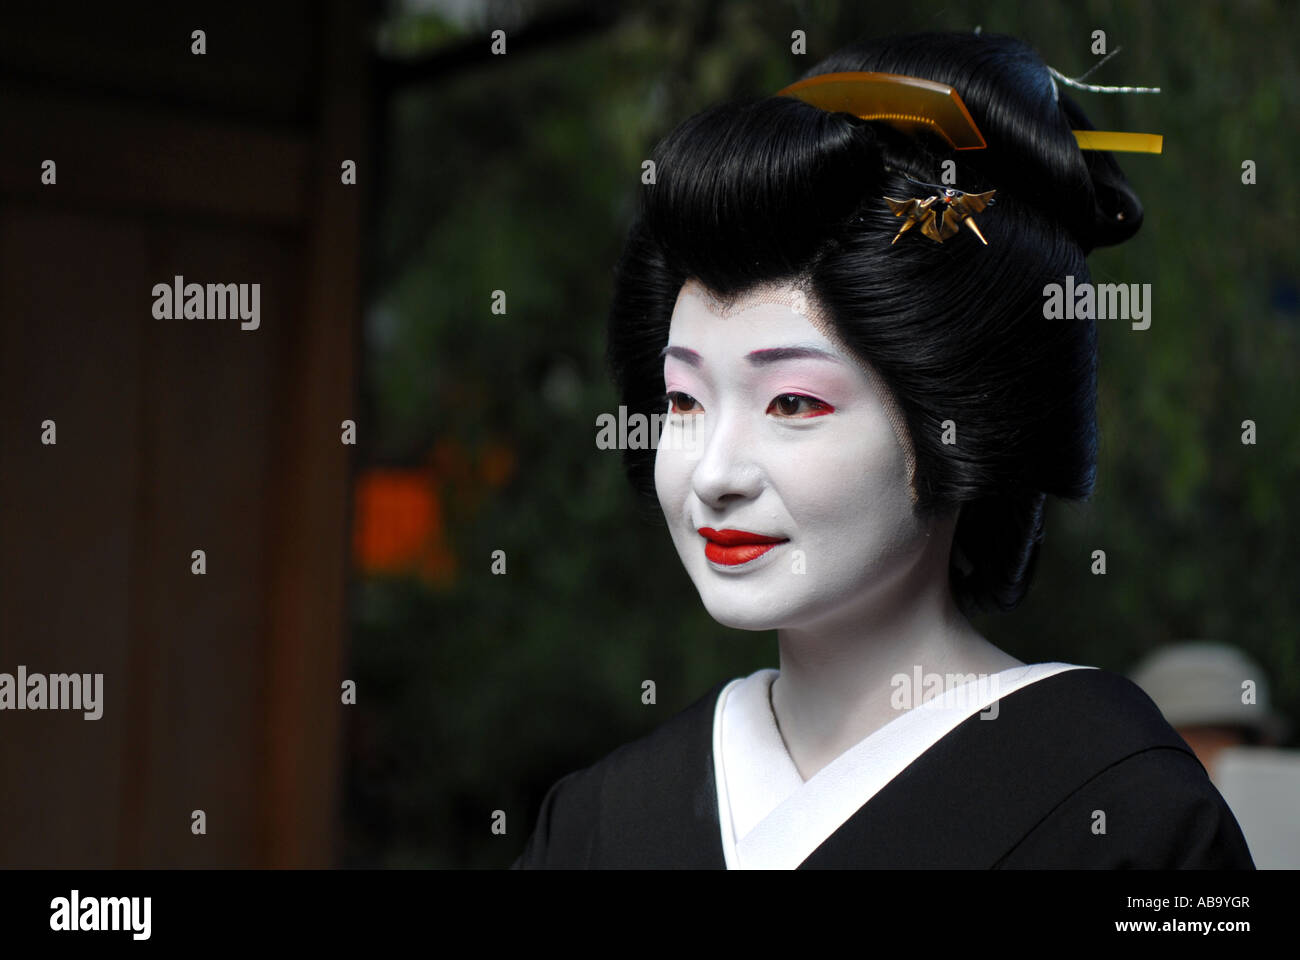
{"x":1206,"y":684}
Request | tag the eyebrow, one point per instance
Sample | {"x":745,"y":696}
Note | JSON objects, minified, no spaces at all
{"x":756,"y":357}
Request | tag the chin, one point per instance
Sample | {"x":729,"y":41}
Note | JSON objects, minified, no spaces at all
{"x":768,"y":607}
{"x":745,"y":613}
{"x":729,"y":616}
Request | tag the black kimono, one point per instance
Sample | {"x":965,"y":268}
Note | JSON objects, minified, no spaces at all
{"x":1079,"y":770}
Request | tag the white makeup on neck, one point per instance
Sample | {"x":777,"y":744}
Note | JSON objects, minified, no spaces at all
{"x":800,"y":471}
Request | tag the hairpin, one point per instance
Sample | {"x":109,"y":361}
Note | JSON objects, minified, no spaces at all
{"x":942,"y":213}
{"x":1078,"y":84}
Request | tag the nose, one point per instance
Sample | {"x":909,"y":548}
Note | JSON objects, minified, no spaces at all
{"x":727,"y":469}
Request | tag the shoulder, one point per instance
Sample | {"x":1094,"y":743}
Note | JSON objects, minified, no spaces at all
{"x":650,"y":802}
{"x":1092,"y":716}
{"x":1134,"y":796}
{"x":1076,"y":770}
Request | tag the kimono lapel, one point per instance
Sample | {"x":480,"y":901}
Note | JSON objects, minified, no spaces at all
{"x":771,"y":819}
{"x":969,"y":800}
{"x":655,"y":800}
{"x":972,"y":797}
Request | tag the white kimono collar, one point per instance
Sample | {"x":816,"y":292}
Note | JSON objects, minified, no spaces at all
{"x":770,"y":818}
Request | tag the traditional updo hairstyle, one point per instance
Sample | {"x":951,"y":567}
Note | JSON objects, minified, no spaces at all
{"x":774,"y":190}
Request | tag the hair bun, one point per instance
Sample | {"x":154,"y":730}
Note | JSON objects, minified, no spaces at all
{"x":1117,"y":211}
{"x":1032,"y":155}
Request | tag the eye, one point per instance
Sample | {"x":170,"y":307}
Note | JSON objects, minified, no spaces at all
{"x":679,"y":402}
{"x":798,"y":406}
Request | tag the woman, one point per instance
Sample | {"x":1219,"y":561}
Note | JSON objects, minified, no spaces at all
{"x":867,"y":409}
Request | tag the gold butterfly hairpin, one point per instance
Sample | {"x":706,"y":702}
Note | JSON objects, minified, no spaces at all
{"x":941,"y":214}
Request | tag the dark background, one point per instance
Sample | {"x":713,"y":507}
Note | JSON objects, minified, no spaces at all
{"x":476,"y":431}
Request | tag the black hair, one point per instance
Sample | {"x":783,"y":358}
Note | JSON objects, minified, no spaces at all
{"x":775,"y":190}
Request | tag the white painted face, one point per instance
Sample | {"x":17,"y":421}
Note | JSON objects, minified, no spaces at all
{"x":795,"y":445}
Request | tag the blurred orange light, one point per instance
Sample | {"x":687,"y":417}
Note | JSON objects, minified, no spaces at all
{"x":398,"y":518}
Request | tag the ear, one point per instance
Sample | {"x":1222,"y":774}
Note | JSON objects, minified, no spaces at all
{"x":943,"y":523}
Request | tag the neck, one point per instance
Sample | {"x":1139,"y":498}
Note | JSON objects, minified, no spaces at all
{"x":834,"y":688}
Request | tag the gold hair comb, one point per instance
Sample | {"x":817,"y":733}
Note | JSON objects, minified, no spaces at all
{"x":910,"y":103}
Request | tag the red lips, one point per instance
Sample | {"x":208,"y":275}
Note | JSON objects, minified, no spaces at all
{"x":732,"y":547}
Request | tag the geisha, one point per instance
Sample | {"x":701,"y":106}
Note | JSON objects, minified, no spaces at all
{"x":881,"y":412}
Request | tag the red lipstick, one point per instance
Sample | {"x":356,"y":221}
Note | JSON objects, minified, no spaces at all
{"x":733,"y":547}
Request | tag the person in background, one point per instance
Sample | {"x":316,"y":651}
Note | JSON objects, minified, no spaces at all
{"x":1217,"y":698}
